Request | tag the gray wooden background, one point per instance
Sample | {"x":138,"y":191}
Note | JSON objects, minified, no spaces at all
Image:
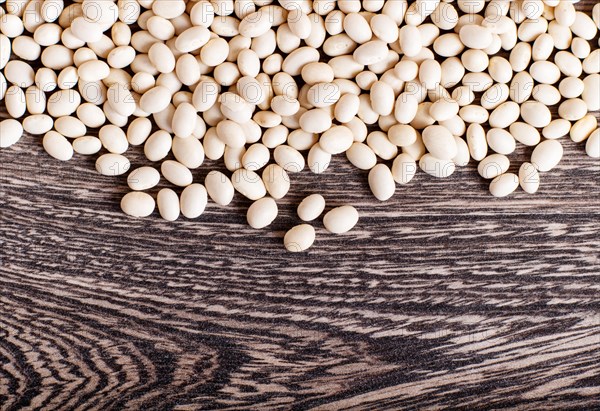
{"x":443,"y":297}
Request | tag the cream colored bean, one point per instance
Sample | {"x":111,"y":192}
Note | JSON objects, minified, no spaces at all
{"x":184,"y":120}
{"x":501,"y":141}
{"x":168,"y":204}
{"x":11,"y":132}
{"x":437,"y":167}
{"x":478,"y":81}
{"x":176,"y":173}
{"x":592,"y":99}
{"x":474,"y":114}
{"x":404,"y":168}
{"x":493,"y":165}
{"x":57,"y":146}
{"x":300,"y":238}
{"x":525,"y":133}
{"x":382,"y":98}
{"x":381,"y":182}
{"x":504,"y":115}
{"x":547,"y":155}
{"x":361,"y":156}
{"x":143,"y":178}
{"x":495,"y":96}
{"x":592,"y":146}
{"x":298,"y":58}
{"x":475,"y":37}
{"x":155,"y":100}
{"x":546,"y":94}
{"x":139,"y":131}
{"x":529,"y":178}
{"x":113,"y":139}
{"x":565,"y":13}
{"x":188,"y":151}
{"x":572,"y":109}
{"x":439,"y":142}
{"x":545,"y":72}
{"x":35,"y":100}
{"x":536,"y":114}
{"x":384,"y":27}
{"x":406,"y":108}
{"x":584,"y":26}
{"x":70,"y":127}
{"x":87,"y":145}
{"x":315,"y":121}
{"x":504,"y":185}
{"x":591,"y":64}
{"x":5,"y":50}
{"x":276,"y":181}
{"x":462,"y":157}
{"x":571,"y":87}
{"x":231,"y":133}
{"x":137,"y":204}
{"x":402,"y":135}
{"x":463,"y":95}
{"x":336,"y":140}
{"x":15,"y":101}
{"x":583,"y":128}
{"x":381,"y":145}
{"x":556,"y":129}
{"x":520,"y":56}
{"x":323,"y":94}
{"x":371,"y":52}
{"x":311,"y":207}
{"x":542,"y":48}
{"x":91,"y":115}
{"x":193,"y":201}
{"x":38,"y":124}
{"x":410,"y":40}
{"x":256,"y":157}
{"x":476,"y":140}
{"x":158,"y":145}
{"x":214,"y":148}
{"x":289,"y":159}
{"x":318,"y":159}
{"x":430,"y":73}
{"x":249,"y":184}
{"x":121,"y":100}
{"x":262,"y":213}
{"x":46,"y":79}
{"x":568,"y":64}
{"x":580,"y":48}
{"x":561,"y":35}
{"x":219,"y":188}
{"x":340,"y":220}
{"x":93,"y":70}
{"x":19,"y":73}
{"x":500,"y":69}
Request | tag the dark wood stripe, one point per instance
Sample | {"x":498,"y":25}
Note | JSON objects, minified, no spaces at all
{"x":443,"y":297}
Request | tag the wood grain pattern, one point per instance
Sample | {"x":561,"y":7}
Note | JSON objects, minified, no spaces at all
{"x":443,"y":297}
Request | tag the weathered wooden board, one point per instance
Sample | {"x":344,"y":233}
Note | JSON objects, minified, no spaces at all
{"x":441,"y":297}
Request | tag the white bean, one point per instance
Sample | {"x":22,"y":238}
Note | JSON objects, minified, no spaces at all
{"x":299,"y":238}
{"x":311,"y":207}
{"x":137,"y":204}
{"x":504,"y":185}
{"x":193,"y":201}
{"x":262,"y":213}
{"x":547,"y":155}
{"x":341,"y":219}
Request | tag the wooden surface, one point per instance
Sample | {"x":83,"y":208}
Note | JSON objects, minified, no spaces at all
{"x":443,"y":297}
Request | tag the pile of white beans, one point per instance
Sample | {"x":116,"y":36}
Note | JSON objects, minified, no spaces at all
{"x":272,"y":87}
